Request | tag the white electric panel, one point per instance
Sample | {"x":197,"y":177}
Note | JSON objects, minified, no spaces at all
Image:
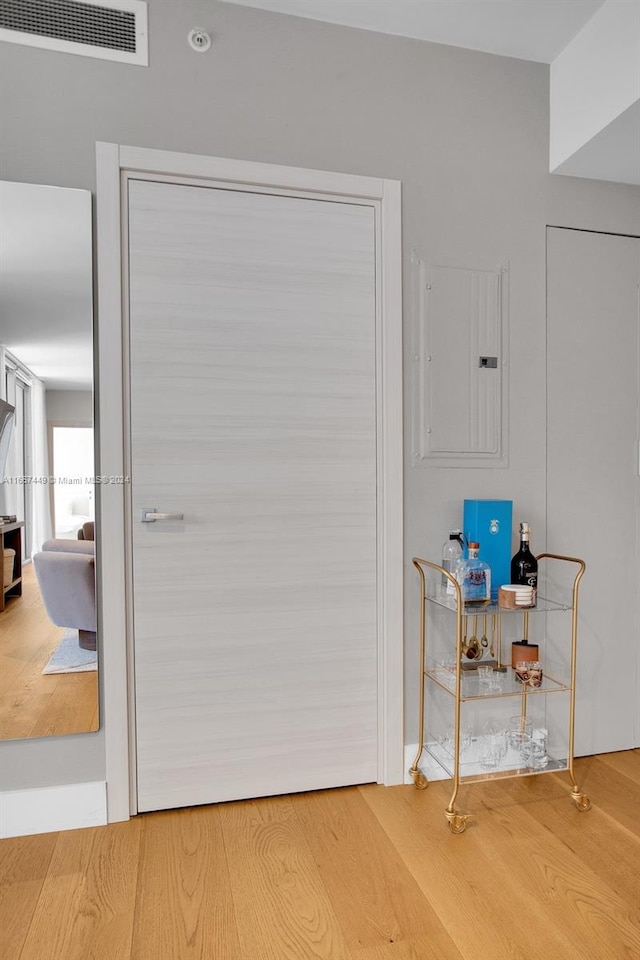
{"x":459,"y":365}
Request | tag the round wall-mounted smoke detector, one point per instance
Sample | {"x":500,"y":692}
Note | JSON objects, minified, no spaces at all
{"x":199,"y":39}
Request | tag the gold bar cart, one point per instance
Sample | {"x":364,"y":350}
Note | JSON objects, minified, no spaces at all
{"x":455,"y":682}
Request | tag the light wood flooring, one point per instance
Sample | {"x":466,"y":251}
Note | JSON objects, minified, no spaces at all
{"x":33,"y":705}
{"x":362,"y":873}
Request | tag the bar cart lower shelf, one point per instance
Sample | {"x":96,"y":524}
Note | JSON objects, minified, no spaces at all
{"x":468,"y":754}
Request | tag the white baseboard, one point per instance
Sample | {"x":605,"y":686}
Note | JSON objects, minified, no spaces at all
{"x":49,"y":809}
{"x":428,"y":766}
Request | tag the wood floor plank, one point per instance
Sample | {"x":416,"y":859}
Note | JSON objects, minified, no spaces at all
{"x":184,"y":906}
{"x":627,"y":762}
{"x":377,"y":901}
{"x":365,"y":873}
{"x":283,"y":910}
{"x":612,"y":791}
{"x":19,"y":713}
{"x":24,"y":862}
{"x":567,"y":893}
{"x":86,"y":906}
{"x":462,"y":874}
{"x":66,"y":710}
{"x":33,"y":705}
{"x":611,"y":844}
{"x":607,"y":852}
{"x":413,"y":949}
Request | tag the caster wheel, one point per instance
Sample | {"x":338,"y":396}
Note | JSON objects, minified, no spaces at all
{"x":457,"y":823}
{"x":582,"y":803}
{"x":419,"y":780}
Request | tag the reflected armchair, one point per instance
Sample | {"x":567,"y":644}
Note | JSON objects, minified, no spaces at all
{"x":65,"y":570}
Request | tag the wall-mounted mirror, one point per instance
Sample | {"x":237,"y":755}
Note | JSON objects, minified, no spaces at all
{"x":48,"y":662}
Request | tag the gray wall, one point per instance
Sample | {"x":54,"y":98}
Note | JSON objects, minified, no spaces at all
{"x":70,"y":406}
{"x":465,"y":132}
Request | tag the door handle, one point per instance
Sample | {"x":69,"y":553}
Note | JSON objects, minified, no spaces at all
{"x":150,"y":515}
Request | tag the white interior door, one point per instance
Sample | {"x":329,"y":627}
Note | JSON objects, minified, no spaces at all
{"x":253,"y":414}
{"x":593,"y":396}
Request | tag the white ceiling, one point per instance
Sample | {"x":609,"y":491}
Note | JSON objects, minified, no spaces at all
{"x":45,"y":282}
{"x":525,"y":29}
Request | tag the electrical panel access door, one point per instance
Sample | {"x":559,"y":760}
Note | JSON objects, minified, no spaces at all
{"x":459,"y":366}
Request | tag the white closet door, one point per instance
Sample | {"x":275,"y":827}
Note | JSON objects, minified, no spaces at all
{"x":253,"y":413}
{"x":593,"y":467}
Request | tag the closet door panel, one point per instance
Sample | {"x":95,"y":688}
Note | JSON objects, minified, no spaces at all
{"x":592,"y":478}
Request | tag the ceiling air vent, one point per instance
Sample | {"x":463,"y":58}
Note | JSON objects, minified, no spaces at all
{"x":107,"y":29}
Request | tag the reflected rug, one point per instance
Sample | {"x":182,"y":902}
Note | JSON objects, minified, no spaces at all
{"x":69,"y":657}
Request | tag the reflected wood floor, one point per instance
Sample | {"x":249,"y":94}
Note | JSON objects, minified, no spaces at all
{"x":361,"y":873}
{"x":33,"y":705}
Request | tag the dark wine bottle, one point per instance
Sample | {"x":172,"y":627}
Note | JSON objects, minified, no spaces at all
{"x":524,"y":566}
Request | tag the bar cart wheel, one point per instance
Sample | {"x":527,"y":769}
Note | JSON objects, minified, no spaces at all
{"x":419,"y":779}
{"x":457,"y":822}
{"x":581,"y":801}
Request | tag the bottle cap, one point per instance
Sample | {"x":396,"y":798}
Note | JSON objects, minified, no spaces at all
{"x":474,"y":545}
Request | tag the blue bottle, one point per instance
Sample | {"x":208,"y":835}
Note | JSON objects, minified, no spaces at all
{"x":474,"y":577}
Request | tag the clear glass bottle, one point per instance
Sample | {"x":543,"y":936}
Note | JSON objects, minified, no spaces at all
{"x":451,"y":553}
{"x":474,"y":577}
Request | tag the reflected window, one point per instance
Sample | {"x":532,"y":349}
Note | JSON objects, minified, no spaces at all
{"x":72,"y":455}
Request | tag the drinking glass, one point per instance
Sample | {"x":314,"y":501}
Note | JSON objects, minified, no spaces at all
{"x":536,"y":749}
{"x":490,"y":680}
{"x":493,"y":746}
{"x":535,"y":674}
{"x":519,"y":727}
{"x":448,"y":741}
{"x":520,"y":744}
{"x":529,"y":673}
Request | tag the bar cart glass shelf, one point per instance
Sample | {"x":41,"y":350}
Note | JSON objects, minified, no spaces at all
{"x":456,"y":693}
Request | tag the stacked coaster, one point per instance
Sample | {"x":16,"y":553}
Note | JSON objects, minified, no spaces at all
{"x":513,"y":595}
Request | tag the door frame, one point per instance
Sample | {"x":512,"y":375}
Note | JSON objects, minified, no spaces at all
{"x":115,"y":165}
